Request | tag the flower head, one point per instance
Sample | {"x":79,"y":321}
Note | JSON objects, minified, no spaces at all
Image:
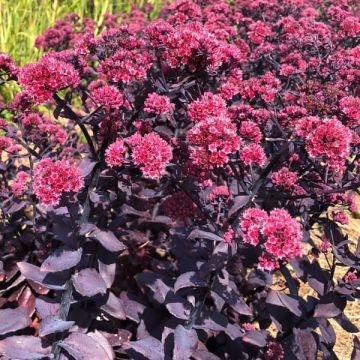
{"x":253,"y":154}
{"x":46,"y":77}
{"x":331,"y":142}
{"x":151,"y":153}
{"x":158,"y":104}
{"x":209,"y":105}
{"x":212,"y":141}
{"x":114,"y":154}
{"x":53,"y":178}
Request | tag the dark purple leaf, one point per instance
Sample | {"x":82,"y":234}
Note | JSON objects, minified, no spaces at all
{"x":211,"y":320}
{"x":12,"y":320}
{"x":114,"y":307}
{"x":133,"y":308}
{"x":200,"y":234}
{"x":239,"y":202}
{"x":61,"y":261}
{"x":108,"y":240}
{"x":231,"y":297}
{"x":285,"y":310}
{"x":177,"y":306}
{"x":355,"y":355}
{"x":46,"y":307}
{"x":107,"y":272}
{"x":157,"y":285}
{"x":32,"y":272}
{"x":98,"y":337}
{"x":15,"y":207}
{"x":346,"y":324}
{"x":84,"y":347}
{"x":185,"y":342}
{"x":51,"y":325}
{"x":318,"y":278}
{"x":164,"y":131}
{"x":150,"y":348}
{"x":255,"y":337}
{"x":328,"y":334}
{"x":86,"y":166}
{"x":86,"y":229}
{"x":330,"y":306}
{"x":23,"y":348}
{"x":340,"y":244}
{"x":189,"y":279}
{"x":306,"y":348}
{"x":88,"y":282}
{"x":280,"y":299}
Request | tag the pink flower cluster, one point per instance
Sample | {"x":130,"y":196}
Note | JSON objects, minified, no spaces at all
{"x":350,"y":106}
{"x":212,"y":141}
{"x":178,"y":206}
{"x":258,"y":32}
{"x":158,"y":104}
{"x":5,"y":143}
{"x":53,"y":131}
{"x":126,"y":66}
{"x":46,"y":77}
{"x":330,"y":141}
{"x":265,"y":86}
{"x":209,"y":105}
{"x":253,"y":154}
{"x":110,"y":98}
{"x":340,"y":217}
{"x":274,"y":351}
{"x":151,"y":153}
{"x":40,"y":127}
{"x":53,"y":178}
{"x":19,"y":185}
{"x":7,"y":65}
{"x":250,"y":131}
{"x":287,"y":180}
{"x":278,"y":234}
{"x":114,"y":154}
{"x":221,"y":191}
{"x":192,"y":45}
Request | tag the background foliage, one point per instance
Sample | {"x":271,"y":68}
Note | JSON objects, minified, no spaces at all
{"x":21,"y":21}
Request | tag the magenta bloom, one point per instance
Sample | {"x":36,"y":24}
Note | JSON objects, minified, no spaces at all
{"x":18,"y":187}
{"x":350,"y":106}
{"x":253,"y":154}
{"x":158,"y":104}
{"x":208,"y":105}
{"x":151,"y":153}
{"x":221,"y":191}
{"x":178,"y":206}
{"x":126,"y":66}
{"x":53,"y":178}
{"x":278,"y":234}
{"x":7,"y":65}
{"x":250,"y":131}
{"x":114,"y":154}
{"x":46,"y":77}
{"x":284,"y":178}
{"x":109,"y":97}
{"x":212,"y":141}
{"x":283,"y":235}
{"x":251,"y":224}
{"x":331,"y":142}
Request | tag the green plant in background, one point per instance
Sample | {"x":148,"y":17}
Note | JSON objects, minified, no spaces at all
{"x":21,"y":21}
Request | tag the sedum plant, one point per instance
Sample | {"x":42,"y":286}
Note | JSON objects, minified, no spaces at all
{"x":162,"y":181}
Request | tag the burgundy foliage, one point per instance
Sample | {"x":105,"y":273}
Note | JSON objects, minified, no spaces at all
{"x":164,"y":209}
